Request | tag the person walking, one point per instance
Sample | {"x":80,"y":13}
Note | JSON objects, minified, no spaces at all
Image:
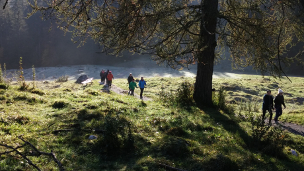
{"x":267,"y":105}
{"x":132,"y":87}
{"x":106,"y":76}
{"x":102,"y":76}
{"x":109,"y":78}
{"x":130,"y":79}
{"x":278,"y":102}
{"x":141,"y":85}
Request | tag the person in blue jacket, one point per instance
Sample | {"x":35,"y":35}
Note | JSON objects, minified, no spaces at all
{"x":141,"y":85}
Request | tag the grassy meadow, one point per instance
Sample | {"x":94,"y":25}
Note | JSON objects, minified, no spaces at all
{"x":148,"y":135}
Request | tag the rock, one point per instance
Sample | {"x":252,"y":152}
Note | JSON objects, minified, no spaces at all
{"x":82,"y":78}
{"x":92,"y":137}
{"x":293,"y":152}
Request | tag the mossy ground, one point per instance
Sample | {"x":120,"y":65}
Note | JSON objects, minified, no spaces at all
{"x":139,"y":135}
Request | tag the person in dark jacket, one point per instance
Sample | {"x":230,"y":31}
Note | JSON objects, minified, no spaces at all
{"x":106,"y":76}
{"x":267,"y":105}
{"x":278,"y":102}
{"x":102,"y":76}
{"x":130,"y":79}
{"x":141,"y":85}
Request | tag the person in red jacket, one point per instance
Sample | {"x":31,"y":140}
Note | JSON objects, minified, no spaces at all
{"x":110,"y":77}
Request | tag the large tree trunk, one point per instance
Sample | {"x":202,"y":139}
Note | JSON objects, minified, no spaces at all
{"x":203,"y":86}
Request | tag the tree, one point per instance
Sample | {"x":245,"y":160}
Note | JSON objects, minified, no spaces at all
{"x":258,"y":33}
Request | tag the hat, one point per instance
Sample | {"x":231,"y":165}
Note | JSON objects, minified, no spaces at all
{"x":130,"y":73}
{"x":280,"y":91}
{"x":110,"y":71}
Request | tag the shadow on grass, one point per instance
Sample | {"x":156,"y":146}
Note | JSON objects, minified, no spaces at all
{"x":230,"y":124}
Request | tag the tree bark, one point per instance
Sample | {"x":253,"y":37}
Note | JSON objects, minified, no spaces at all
{"x":203,"y":86}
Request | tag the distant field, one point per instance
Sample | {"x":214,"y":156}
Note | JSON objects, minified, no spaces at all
{"x":151,"y":135}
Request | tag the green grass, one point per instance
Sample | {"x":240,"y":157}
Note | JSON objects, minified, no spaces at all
{"x":137,"y":135}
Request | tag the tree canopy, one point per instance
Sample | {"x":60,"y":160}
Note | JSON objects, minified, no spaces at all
{"x":258,"y":33}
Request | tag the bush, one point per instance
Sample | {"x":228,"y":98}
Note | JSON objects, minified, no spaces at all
{"x":60,"y":104}
{"x":23,"y":86}
{"x":182,"y":96}
{"x":63,"y":78}
{"x":92,"y":92}
{"x":117,"y":134}
{"x":37,"y":91}
{"x":3,"y":86}
{"x":219,"y":101}
{"x":267,"y":138}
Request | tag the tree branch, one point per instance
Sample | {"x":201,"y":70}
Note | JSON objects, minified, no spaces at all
{"x":5,"y":4}
{"x":37,"y":153}
{"x":279,"y":36}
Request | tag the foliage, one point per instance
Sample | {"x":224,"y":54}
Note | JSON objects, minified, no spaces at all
{"x":34,"y":76}
{"x":269,"y":139}
{"x":219,"y":101}
{"x":63,"y":78}
{"x":182,"y":96}
{"x":257,"y":34}
{"x":1,"y":75}
{"x":23,"y":85}
{"x":37,"y":91}
{"x":60,"y":104}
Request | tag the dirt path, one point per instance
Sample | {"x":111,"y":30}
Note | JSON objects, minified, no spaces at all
{"x":123,"y":92}
{"x":290,"y":127}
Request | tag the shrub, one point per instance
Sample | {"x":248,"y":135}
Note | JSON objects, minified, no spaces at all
{"x":117,"y":134}
{"x":2,"y":97}
{"x":267,"y":138}
{"x":3,"y":86}
{"x":37,"y":91}
{"x":219,"y":101}
{"x":63,"y":78}
{"x":182,"y":96}
{"x":60,"y":104}
{"x":174,"y":147}
{"x":34,"y":76}
{"x":19,"y":119}
{"x":23,"y":86}
{"x":92,"y":92}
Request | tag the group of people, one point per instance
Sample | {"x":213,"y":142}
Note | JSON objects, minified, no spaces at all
{"x":132,"y":85}
{"x":106,"y":76}
{"x":278,"y":101}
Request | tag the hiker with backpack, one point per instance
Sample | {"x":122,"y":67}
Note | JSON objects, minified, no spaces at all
{"x":267,"y":105}
{"x":132,"y":87}
{"x":278,"y":102}
{"x":109,"y":78}
{"x":141,"y":85}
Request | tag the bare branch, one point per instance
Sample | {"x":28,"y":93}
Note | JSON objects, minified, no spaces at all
{"x":5,"y":4}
